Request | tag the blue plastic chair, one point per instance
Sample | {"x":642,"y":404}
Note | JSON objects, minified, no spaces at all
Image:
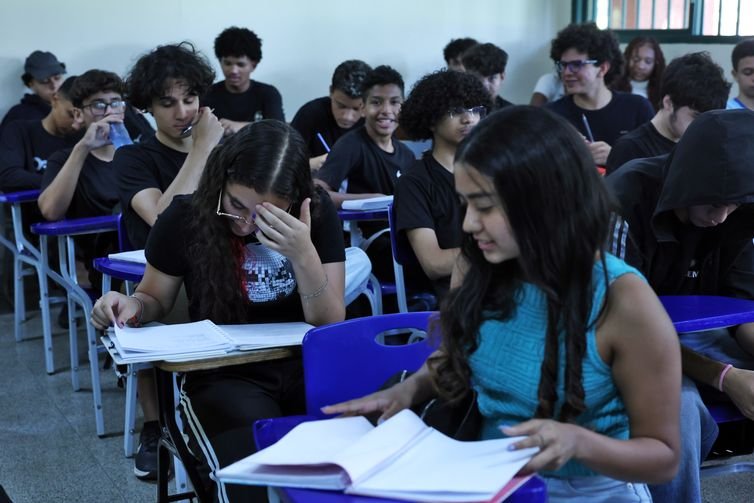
{"x":344,"y":361}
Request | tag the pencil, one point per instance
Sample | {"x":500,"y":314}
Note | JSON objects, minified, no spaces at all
{"x":324,"y":143}
{"x":589,"y":134}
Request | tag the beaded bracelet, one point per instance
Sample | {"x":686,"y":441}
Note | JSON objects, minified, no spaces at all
{"x":317,"y":292}
{"x":141,"y":309}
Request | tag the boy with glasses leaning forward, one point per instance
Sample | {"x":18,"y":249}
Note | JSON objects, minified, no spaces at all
{"x":587,"y":60}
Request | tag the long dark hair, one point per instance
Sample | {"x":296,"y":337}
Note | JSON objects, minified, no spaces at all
{"x":270,"y":157}
{"x":623,"y":81}
{"x":558,"y":210}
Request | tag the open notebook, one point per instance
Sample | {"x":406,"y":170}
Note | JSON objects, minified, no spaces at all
{"x":136,"y":256}
{"x":201,"y":339}
{"x":402,"y":458}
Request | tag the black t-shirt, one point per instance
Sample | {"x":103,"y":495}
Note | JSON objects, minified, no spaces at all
{"x":644,"y":141}
{"x":425,"y":197}
{"x":31,"y":108}
{"x":138,"y":127}
{"x":316,"y":117}
{"x":24,"y":149}
{"x":269,"y":280}
{"x":146,"y":165}
{"x":259,"y":101}
{"x":500,"y":102}
{"x":625,"y":112}
{"x":96,"y":191}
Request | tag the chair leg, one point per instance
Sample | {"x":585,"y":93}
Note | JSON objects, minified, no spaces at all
{"x":163,"y":471}
{"x":44,"y":306}
{"x":73,"y":342}
{"x":19,"y":301}
{"x":94,"y":369}
{"x":129,"y":429}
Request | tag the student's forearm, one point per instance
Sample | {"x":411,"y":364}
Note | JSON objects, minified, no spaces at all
{"x":640,"y":459}
{"x":56,"y":198}
{"x":440,"y":263}
{"x":700,"y":368}
{"x":16,"y":178}
{"x":187,"y":178}
{"x":321,"y":295}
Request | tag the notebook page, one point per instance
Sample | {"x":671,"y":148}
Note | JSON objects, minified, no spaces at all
{"x":258,"y":335}
{"x":136,"y":256}
{"x":172,"y":339}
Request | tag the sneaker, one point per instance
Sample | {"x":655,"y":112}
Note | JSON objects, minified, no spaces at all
{"x":145,"y":461}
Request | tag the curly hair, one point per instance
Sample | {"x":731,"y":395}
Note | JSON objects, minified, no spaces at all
{"x":270,"y":157}
{"x":485,"y":59}
{"x":349,"y":77}
{"x":382,"y":75}
{"x":235,"y":41}
{"x":694,"y":80}
{"x":93,"y":82}
{"x":623,"y":81}
{"x":601,"y":45}
{"x":743,"y":49}
{"x":148,"y":78}
{"x":436,"y":93}
{"x":457,"y":47}
{"x":558,"y":211}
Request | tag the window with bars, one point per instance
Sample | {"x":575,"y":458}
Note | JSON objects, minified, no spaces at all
{"x":671,"y":20}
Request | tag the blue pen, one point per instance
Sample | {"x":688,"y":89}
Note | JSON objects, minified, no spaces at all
{"x":324,"y":143}
{"x":588,"y":129}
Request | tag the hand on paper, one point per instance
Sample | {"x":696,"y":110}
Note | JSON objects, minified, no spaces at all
{"x":557,"y":442}
{"x":114,"y":307}
{"x":280,"y":231}
{"x":389,"y":401}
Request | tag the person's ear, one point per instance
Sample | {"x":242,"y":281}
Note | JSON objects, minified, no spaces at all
{"x":253,"y":65}
{"x":734,"y":74}
{"x":667,"y":104}
{"x":604,"y":67}
{"x":502,"y":76}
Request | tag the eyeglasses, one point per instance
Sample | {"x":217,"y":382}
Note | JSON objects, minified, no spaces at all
{"x":99,"y":107}
{"x":237,"y":218}
{"x":480,"y":112}
{"x":574,"y":66}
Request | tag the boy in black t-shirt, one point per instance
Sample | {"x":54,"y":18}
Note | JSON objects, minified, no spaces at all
{"x":443,"y":106}
{"x":238,"y":100}
{"x":691,"y":85}
{"x":324,"y":120}
{"x":453,"y":52}
{"x":370,"y":158}
{"x":487,"y":62}
{"x":79,"y":182}
{"x":167,"y":82}
{"x":26,"y":145}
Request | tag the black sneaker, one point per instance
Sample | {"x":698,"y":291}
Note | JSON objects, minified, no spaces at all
{"x":145,"y":461}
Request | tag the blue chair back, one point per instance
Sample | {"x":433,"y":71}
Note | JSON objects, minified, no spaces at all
{"x":124,"y":244}
{"x":343,"y":361}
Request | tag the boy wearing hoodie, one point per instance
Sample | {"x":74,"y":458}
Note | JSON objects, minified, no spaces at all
{"x":686,"y":220}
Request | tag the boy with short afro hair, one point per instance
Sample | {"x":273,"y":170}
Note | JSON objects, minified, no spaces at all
{"x":238,"y":100}
{"x":370,"y":158}
{"x":742,"y":59}
{"x":324,"y":120}
{"x":487,"y":62}
{"x":444,"y":107}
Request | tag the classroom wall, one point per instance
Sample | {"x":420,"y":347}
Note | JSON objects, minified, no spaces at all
{"x":302,"y":41}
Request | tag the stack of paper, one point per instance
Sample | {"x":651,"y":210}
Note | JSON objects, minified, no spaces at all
{"x":201,"y":339}
{"x":136,"y":256}
{"x":372,"y":203}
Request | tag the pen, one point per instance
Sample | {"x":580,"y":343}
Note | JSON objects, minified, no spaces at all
{"x":588,"y":129}
{"x":324,"y":143}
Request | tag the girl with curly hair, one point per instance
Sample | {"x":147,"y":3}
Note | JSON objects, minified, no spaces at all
{"x":563,"y":343}
{"x":255,"y":243}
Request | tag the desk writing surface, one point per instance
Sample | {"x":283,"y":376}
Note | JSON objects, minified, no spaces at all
{"x":695,"y":313}
{"x":226,"y":360}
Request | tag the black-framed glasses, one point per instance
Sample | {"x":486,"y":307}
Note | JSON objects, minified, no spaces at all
{"x":237,"y":218}
{"x":574,"y":66}
{"x":99,"y":107}
{"x":480,"y":112}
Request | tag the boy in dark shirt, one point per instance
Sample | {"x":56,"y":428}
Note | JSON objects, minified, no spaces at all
{"x":691,"y":85}
{"x":324,"y":120}
{"x":370,"y":158}
{"x":487,"y":62}
{"x":238,"y":100}
{"x":167,"y":82}
{"x":26,"y":145}
{"x":588,"y":59}
{"x":453,"y":52}
{"x":43,"y":74}
{"x":444,"y":107}
{"x":79,"y":182}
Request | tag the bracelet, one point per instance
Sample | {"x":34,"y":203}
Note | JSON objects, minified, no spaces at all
{"x":141,"y":308}
{"x":722,"y":376}
{"x":317,"y":292}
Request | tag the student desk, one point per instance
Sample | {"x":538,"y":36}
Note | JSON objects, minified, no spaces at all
{"x":131,"y":272}
{"x":360,"y":216}
{"x":695,"y":313}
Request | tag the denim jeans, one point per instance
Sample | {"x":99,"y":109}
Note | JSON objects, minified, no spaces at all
{"x":596,"y":489}
{"x":698,"y":429}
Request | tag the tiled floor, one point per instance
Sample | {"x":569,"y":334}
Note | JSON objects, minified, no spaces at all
{"x":49,"y":450}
